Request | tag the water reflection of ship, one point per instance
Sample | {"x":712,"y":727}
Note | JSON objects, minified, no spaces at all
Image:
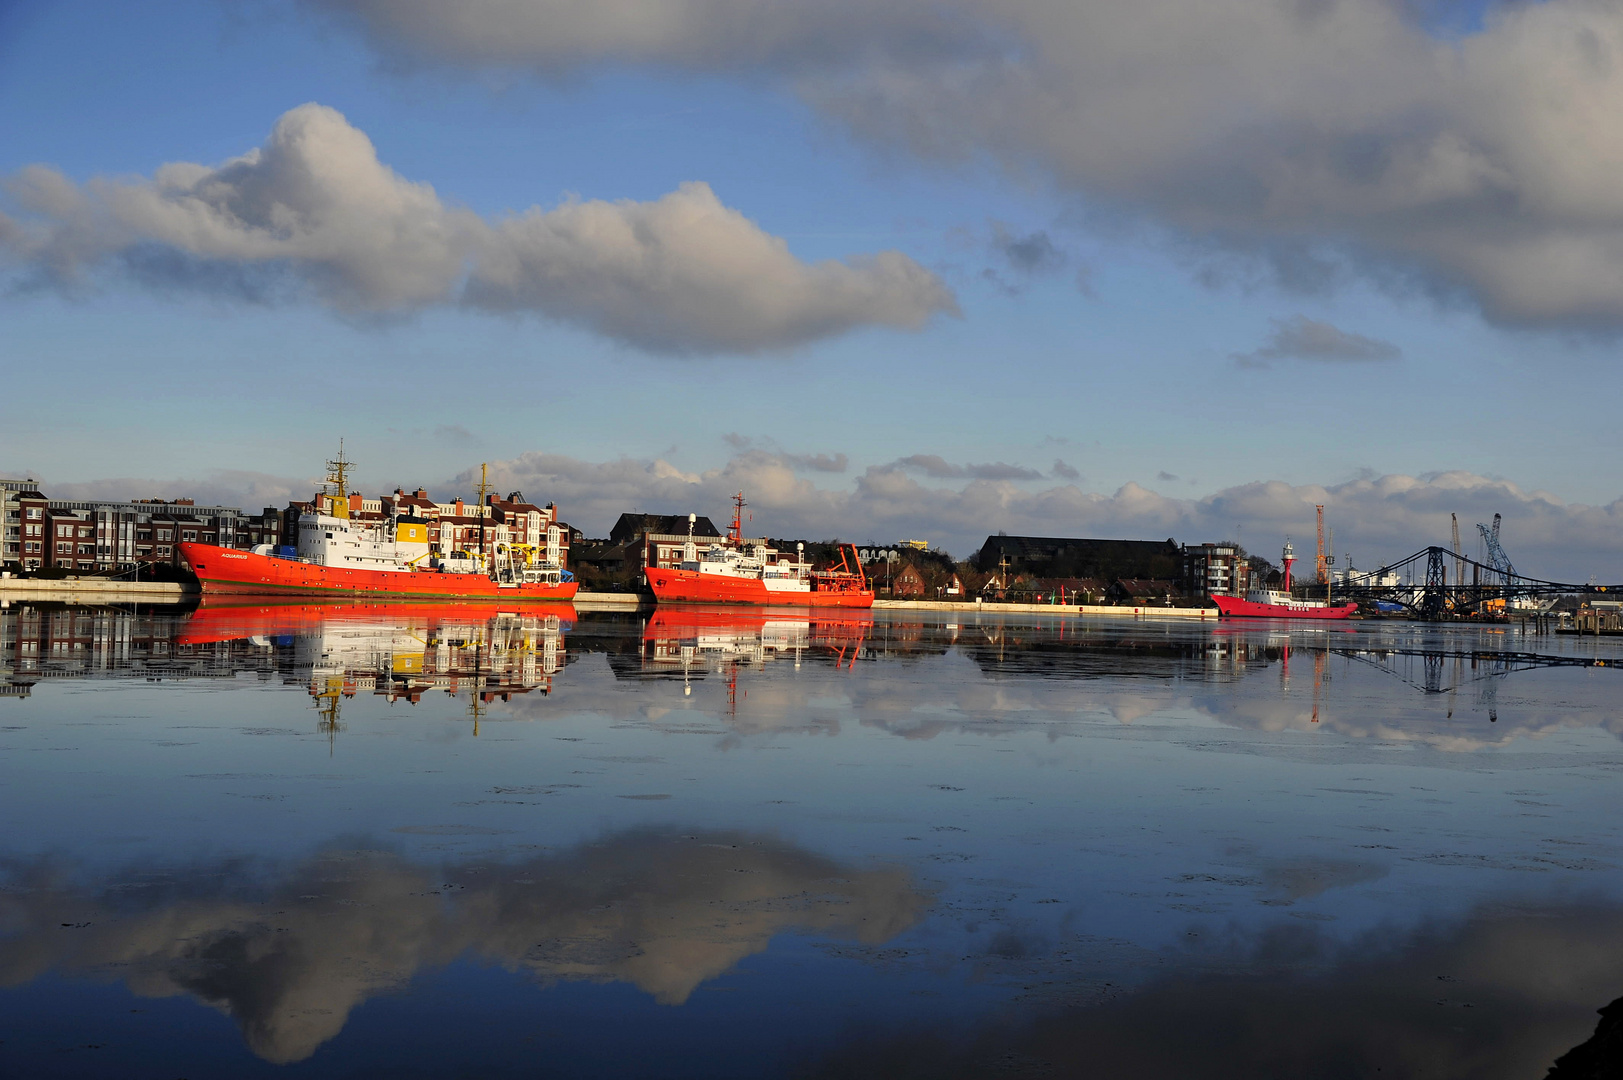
{"x":399,"y":651}
{"x":489,"y":655}
{"x":692,"y":643}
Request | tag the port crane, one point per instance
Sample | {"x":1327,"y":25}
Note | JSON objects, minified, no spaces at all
{"x":1496,"y":554}
{"x":1439,"y":596}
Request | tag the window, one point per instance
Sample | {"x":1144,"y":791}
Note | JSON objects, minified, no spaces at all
{"x":33,"y":513}
{"x":143,"y":534}
{"x":143,"y":552}
{"x":165,"y":534}
{"x":87,"y":549}
{"x":32,"y":547}
{"x":189,"y":534}
{"x":64,"y":549}
{"x":34,"y":530}
{"x":164,"y":553}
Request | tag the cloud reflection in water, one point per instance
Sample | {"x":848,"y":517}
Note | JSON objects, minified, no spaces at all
{"x":288,"y":957}
{"x":1497,"y":996}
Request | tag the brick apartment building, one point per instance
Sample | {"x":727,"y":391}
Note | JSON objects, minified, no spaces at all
{"x":93,"y":535}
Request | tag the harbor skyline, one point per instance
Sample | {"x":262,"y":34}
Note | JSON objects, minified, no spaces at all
{"x":1059,"y":328}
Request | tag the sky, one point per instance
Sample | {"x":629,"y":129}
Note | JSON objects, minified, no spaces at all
{"x":923,"y":268}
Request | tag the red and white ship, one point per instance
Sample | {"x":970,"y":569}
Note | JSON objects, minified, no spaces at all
{"x":1279,"y":604}
{"x":340,"y":557}
{"x":733,"y":572}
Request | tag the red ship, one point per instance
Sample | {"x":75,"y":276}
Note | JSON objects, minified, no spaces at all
{"x":1279,"y":604}
{"x":343,"y":558}
{"x":249,"y":573}
{"x":733,"y":572}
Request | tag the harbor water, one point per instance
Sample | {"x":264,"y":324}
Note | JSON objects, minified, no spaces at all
{"x":451,"y":840}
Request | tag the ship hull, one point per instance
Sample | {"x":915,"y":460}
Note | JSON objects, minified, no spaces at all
{"x":674,"y":586}
{"x":1236,"y":607}
{"x":222,"y":571}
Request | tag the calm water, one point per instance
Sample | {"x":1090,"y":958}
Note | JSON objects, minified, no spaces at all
{"x":443,"y":841}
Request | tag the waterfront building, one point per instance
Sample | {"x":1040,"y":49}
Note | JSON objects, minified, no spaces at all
{"x":112,"y":535}
{"x":11,"y":520}
{"x":1222,"y":569}
{"x":1067,"y":557}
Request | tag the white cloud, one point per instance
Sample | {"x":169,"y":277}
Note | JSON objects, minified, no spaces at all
{"x":221,"y":487}
{"x":1302,"y":338}
{"x":1380,"y":519}
{"x":314,"y":212}
{"x":557,"y":36}
{"x":937,"y":467}
{"x":1323,"y":138}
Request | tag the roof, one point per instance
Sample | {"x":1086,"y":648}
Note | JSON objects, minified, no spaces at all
{"x":1048,"y":547}
{"x":1147,"y":587}
{"x":633,"y":525}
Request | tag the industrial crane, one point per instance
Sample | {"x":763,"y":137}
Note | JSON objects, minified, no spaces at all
{"x":1319,"y":563}
{"x":1496,"y":554}
{"x":1459,"y":560}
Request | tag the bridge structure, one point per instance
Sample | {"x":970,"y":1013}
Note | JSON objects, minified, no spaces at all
{"x":1430,"y":594}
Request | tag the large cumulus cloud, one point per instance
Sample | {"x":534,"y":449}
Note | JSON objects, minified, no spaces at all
{"x":1325,"y":137}
{"x":314,"y":211}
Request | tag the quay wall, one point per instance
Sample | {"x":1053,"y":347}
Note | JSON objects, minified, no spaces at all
{"x":1142,"y":611}
{"x":95,"y":590}
{"x":611,"y":601}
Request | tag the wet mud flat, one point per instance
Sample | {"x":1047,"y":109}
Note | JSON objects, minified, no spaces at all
{"x":411,"y":841}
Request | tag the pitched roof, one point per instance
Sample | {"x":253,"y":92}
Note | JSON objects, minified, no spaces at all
{"x":1147,"y":587}
{"x":634,"y":525}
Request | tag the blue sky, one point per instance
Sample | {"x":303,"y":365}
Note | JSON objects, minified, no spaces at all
{"x":1153,"y":335}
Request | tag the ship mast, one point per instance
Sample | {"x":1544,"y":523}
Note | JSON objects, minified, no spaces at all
{"x":338,"y":477}
{"x":484,"y":490}
{"x":735,"y":532}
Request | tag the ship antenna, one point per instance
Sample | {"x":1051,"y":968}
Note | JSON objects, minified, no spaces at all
{"x":736,"y":533}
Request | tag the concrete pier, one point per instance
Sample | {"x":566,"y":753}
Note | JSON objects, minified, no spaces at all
{"x":95,"y":591}
{"x":611,"y":601}
{"x":1140,"y":611}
